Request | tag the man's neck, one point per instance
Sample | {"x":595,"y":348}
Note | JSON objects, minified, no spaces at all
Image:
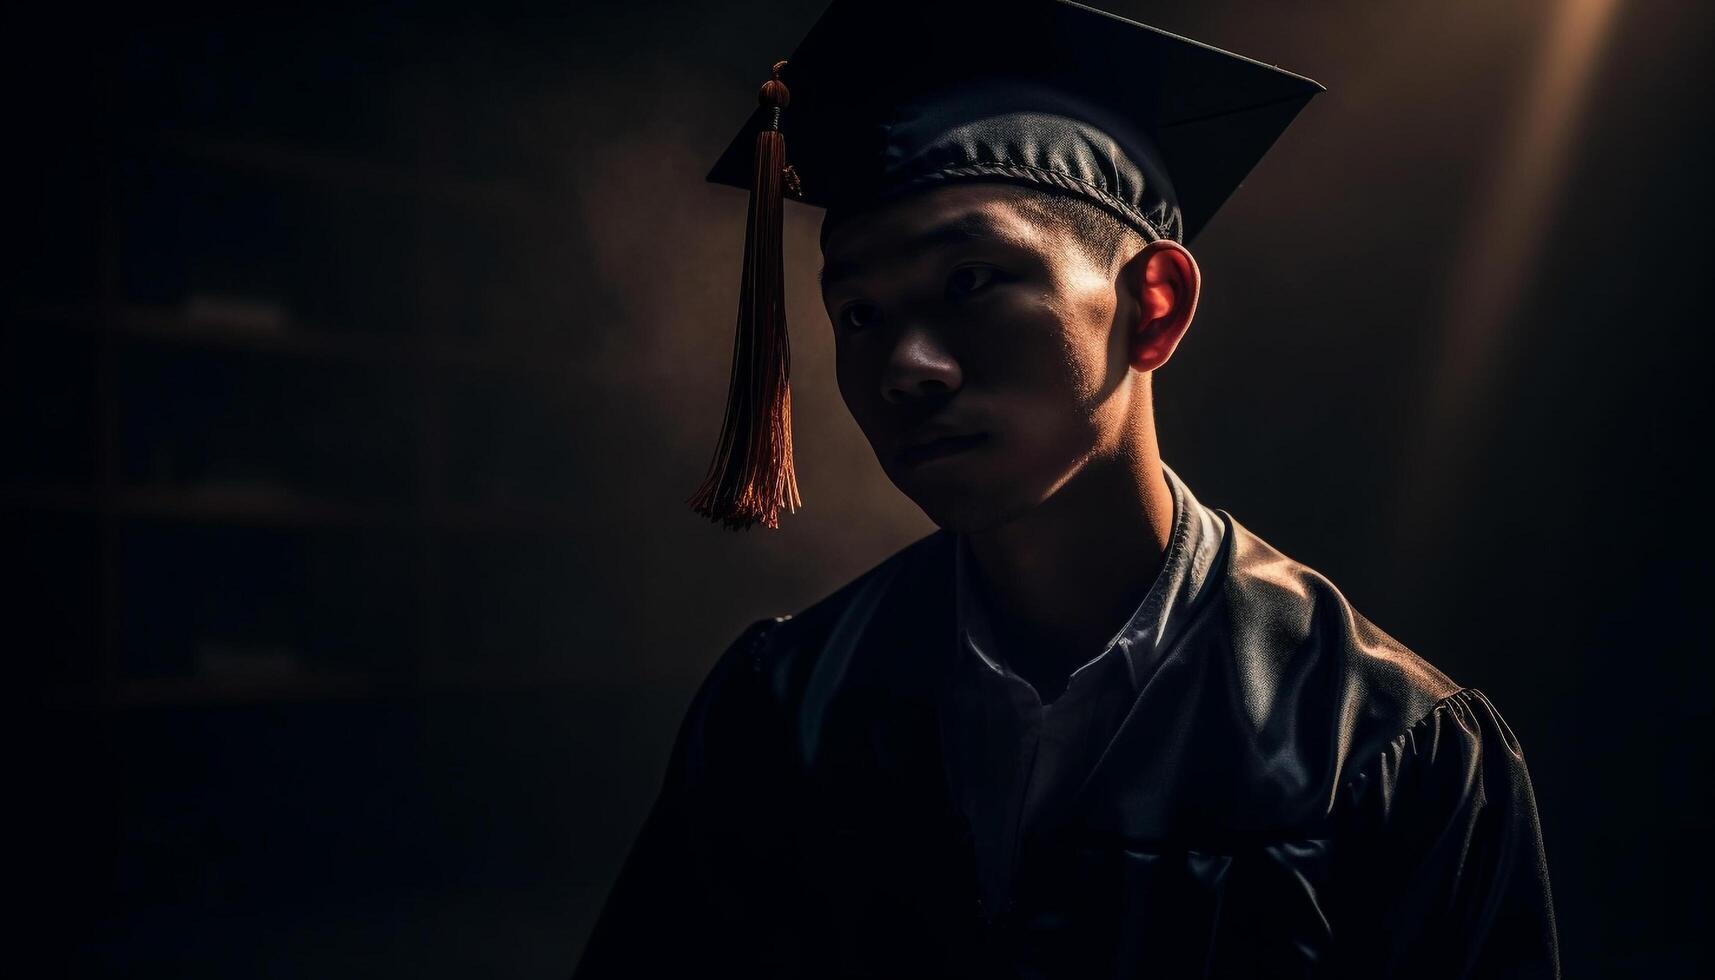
{"x":1061,"y":580}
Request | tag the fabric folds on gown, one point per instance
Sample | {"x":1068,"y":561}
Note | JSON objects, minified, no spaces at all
{"x":1293,"y":794}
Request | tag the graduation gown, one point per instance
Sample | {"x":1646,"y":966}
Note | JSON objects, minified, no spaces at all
{"x":1292,"y":794}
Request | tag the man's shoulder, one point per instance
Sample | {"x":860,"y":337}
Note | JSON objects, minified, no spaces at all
{"x":1294,"y":630}
{"x":786,"y":649}
{"x":820,"y":617}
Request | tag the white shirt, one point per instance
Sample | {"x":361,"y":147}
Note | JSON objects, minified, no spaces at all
{"x":1013,"y":759}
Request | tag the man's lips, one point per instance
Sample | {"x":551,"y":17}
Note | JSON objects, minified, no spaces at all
{"x":938,"y":447}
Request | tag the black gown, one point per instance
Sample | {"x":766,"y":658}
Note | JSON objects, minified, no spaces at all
{"x":1293,"y":794}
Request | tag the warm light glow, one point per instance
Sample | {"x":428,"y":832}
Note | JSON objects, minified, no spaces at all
{"x":1507,"y":223}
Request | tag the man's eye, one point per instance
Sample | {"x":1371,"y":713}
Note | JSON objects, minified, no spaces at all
{"x":859,"y":316}
{"x":969,"y":279}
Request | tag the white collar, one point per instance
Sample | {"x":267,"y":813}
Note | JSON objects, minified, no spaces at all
{"x":1191,"y":548}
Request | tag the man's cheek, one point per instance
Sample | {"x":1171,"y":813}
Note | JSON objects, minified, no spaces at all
{"x":851,"y":391}
{"x":1051,"y":434}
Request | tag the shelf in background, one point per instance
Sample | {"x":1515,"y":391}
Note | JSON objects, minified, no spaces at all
{"x":172,"y":326}
{"x":329,"y":167}
{"x":258,"y":507}
{"x":214,"y":562}
{"x":310,"y":687}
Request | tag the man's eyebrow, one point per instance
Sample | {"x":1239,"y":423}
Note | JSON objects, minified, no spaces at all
{"x":968,"y":227}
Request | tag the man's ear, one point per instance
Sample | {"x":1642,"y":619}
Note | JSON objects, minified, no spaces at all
{"x":1165,"y":280}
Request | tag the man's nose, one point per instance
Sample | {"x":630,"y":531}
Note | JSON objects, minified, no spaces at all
{"x":918,"y":369}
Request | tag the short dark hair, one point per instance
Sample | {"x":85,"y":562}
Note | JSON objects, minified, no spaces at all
{"x":1097,"y":231}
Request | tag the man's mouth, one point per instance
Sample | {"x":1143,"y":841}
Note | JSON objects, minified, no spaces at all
{"x":939,"y":448}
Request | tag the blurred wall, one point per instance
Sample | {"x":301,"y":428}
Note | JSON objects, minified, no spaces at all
{"x":357,"y":364}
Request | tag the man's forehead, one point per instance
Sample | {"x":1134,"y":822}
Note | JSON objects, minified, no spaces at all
{"x":942,"y":216}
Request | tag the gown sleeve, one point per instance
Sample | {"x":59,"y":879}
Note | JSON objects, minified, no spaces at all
{"x":1449,"y":878}
{"x":699,"y":893}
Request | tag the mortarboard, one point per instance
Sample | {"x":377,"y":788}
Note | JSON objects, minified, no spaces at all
{"x":883,"y":99}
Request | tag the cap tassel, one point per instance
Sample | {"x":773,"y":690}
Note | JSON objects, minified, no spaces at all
{"x":751,"y":477}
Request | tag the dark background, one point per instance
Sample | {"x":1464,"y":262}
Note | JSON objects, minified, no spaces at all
{"x":356,"y":365}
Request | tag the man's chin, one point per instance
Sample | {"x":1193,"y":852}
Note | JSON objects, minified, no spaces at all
{"x":964,"y":509}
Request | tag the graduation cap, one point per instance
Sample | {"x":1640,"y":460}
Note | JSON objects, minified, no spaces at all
{"x":883,"y":99}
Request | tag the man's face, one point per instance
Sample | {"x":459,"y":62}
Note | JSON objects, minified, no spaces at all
{"x":981,"y":351}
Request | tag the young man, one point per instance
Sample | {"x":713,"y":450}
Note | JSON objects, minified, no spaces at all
{"x":1091,"y":728}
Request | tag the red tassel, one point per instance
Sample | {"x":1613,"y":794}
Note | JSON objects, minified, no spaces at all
{"x":751,"y":476}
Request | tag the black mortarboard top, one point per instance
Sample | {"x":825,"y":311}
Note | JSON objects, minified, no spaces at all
{"x":883,"y":98}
